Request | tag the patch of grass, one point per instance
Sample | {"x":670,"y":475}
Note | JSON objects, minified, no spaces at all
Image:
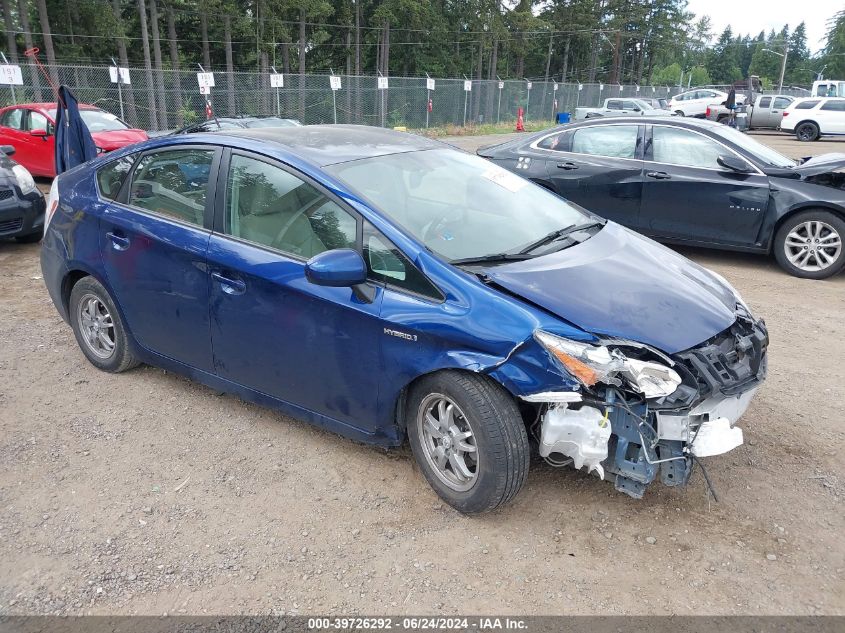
{"x":484,"y":128}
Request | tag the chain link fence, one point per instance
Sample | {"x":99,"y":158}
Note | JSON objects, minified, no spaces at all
{"x":170,"y":99}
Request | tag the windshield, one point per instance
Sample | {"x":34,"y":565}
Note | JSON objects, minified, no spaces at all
{"x":763,"y":153}
{"x":98,"y":120}
{"x":459,"y":205}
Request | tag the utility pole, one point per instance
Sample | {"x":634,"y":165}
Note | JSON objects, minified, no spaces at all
{"x":783,"y":65}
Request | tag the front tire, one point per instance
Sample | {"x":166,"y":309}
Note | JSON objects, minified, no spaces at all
{"x":98,"y":327}
{"x":807,"y":132}
{"x":810,"y":244}
{"x":680,"y":112}
{"x":469,"y":439}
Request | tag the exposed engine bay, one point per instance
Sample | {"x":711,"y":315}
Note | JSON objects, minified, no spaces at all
{"x":648,"y":414}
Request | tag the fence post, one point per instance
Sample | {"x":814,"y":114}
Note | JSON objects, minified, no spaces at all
{"x":466,"y":97}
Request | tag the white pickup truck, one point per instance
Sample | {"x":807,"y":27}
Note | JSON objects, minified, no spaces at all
{"x":620,"y":107}
{"x":766,"y":112}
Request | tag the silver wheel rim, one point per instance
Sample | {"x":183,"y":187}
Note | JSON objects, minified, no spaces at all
{"x":96,"y":325}
{"x":813,"y":246}
{"x":448,"y":442}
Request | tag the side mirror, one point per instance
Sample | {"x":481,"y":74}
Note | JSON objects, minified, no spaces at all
{"x":8,"y":150}
{"x":734,"y":163}
{"x":338,"y":268}
{"x":637,"y":109}
{"x":39,"y":132}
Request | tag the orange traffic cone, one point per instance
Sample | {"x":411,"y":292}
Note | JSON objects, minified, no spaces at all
{"x":519,"y":123}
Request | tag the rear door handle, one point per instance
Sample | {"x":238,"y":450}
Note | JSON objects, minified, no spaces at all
{"x":229,"y":285}
{"x":118,"y":242}
{"x":658,"y":175}
{"x":567,"y":166}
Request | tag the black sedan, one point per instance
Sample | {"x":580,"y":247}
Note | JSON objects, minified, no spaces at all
{"x":21,"y":204}
{"x":695,"y":182}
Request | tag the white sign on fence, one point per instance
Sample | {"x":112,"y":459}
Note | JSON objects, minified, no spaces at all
{"x":601,"y":87}
{"x":205,"y":80}
{"x":205,"y":90}
{"x":429,"y":83}
{"x":334,"y":82}
{"x":501,"y":85}
{"x":382,"y":83}
{"x":529,"y":85}
{"x":638,"y":88}
{"x":10,"y":75}
{"x":277,"y":80}
{"x":123,"y":73}
{"x":554,"y":87}
{"x":580,"y":86}
{"x":468,"y":85}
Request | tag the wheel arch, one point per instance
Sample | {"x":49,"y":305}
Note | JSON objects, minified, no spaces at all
{"x":800,"y":208}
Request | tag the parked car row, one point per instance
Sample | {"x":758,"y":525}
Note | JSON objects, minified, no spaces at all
{"x":625,"y":107}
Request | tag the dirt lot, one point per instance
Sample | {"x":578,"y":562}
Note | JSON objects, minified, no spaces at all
{"x":143,"y":493}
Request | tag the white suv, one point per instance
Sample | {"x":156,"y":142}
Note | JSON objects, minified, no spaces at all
{"x":695,"y":102}
{"x":812,"y":118}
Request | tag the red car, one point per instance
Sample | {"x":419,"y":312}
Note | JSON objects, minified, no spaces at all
{"x":29,"y":127}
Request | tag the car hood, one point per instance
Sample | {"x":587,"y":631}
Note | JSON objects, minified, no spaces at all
{"x":821,"y":164}
{"x":624,"y":285}
{"x":115,"y":139}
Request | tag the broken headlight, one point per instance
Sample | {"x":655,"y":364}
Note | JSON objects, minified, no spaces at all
{"x":591,"y":364}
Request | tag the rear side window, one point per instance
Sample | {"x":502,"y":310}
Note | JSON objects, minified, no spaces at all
{"x":110,"y":177}
{"x":614,"y":105}
{"x":13,"y":119}
{"x":387,"y":264}
{"x":617,"y":141}
{"x":807,"y":105}
{"x":836,"y":106}
{"x":173,"y":183}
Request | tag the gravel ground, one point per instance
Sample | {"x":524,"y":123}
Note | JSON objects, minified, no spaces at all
{"x":144,"y":493}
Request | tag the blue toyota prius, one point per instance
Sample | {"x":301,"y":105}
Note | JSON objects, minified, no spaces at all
{"x":386,"y":286}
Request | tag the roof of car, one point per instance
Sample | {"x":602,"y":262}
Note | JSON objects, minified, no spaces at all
{"x":330,"y":144}
{"x":51,"y":105}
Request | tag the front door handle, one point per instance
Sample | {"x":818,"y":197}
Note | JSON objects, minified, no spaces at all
{"x":658,"y":175}
{"x":567,"y":166}
{"x":229,"y":285}
{"x":118,"y":242}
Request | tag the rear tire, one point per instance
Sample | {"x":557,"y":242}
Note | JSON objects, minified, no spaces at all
{"x":469,"y":439}
{"x":98,"y":327}
{"x":807,"y":132}
{"x":810,"y":244}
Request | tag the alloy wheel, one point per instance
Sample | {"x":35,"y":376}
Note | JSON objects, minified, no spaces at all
{"x":96,"y":325}
{"x":813,"y":246}
{"x":448,"y":442}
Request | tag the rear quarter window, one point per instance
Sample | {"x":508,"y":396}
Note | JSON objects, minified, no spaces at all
{"x":110,"y":177}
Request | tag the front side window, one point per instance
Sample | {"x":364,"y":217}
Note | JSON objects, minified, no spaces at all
{"x":110,"y":177}
{"x":387,"y":264}
{"x":456,"y":204}
{"x":681,"y":147}
{"x":13,"y":118}
{"x":628,"y":105}
{"x":38,"y":121}
{"x":781,"y":103}
{"x":615,"y":141}
{"x":271,"y":207}
{"x":173,"y":183}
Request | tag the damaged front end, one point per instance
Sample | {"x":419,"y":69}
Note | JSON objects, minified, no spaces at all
{"x":640,"y":413}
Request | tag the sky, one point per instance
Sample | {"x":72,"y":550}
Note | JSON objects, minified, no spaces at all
{"x":752,"y":16}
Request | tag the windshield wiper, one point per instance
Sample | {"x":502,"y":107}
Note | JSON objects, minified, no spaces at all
{"x":559,"y":234}
{"x":489,"y":259}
